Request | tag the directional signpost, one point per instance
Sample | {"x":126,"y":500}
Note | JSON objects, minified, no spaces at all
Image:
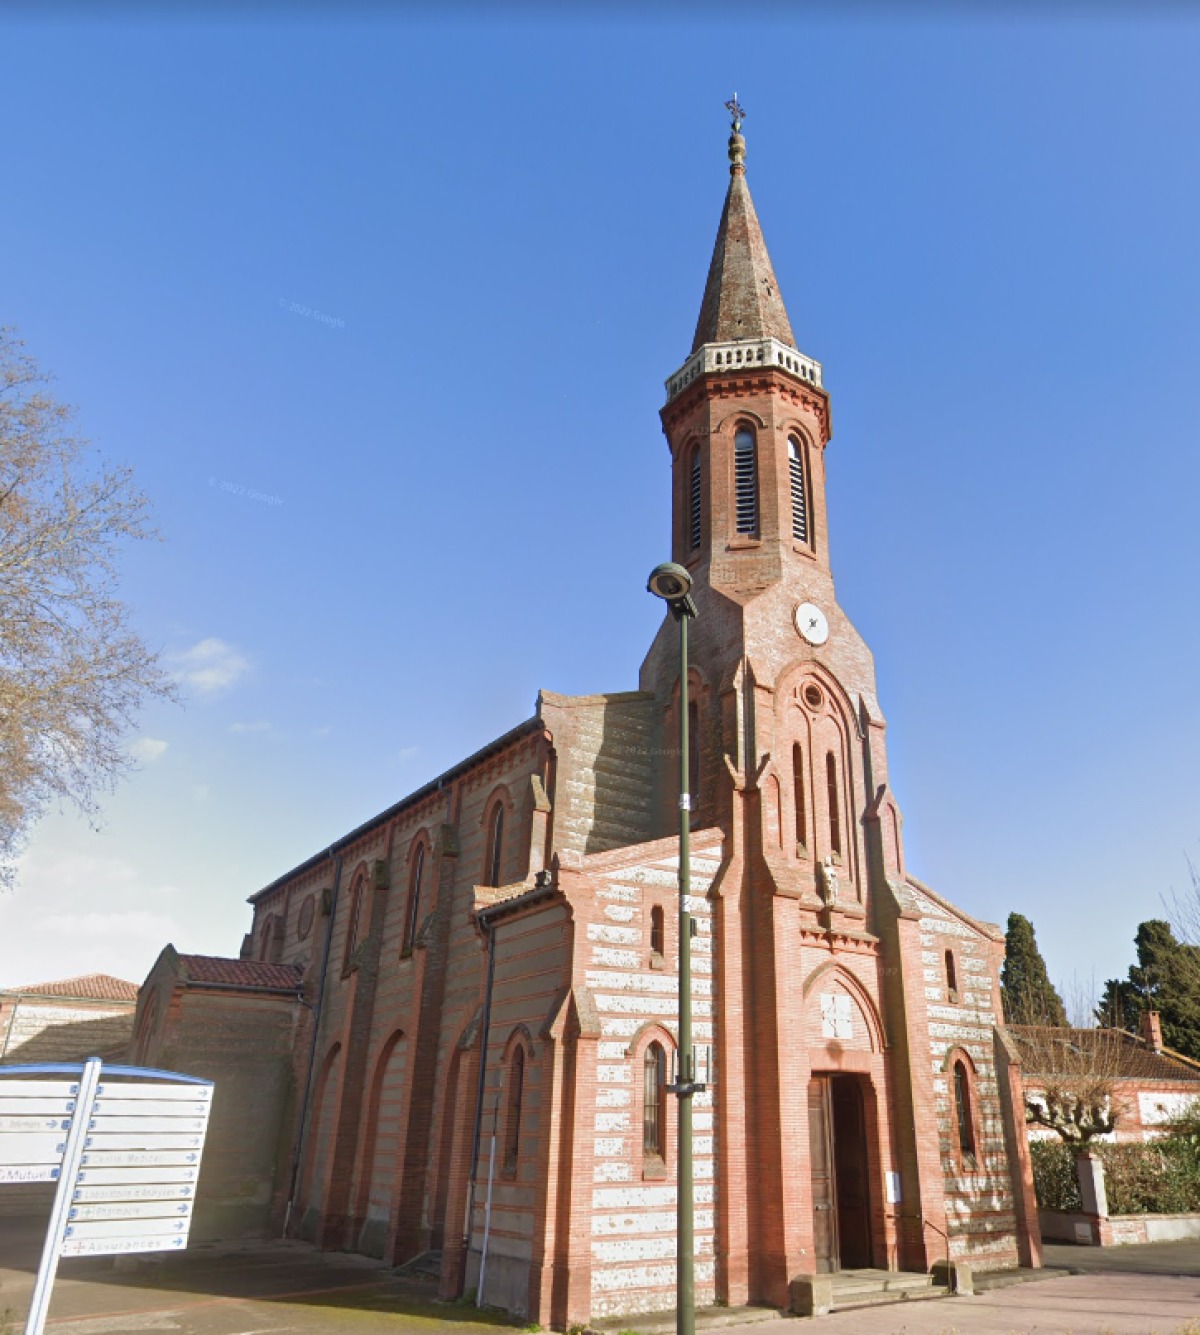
{"x":124,"y":1146}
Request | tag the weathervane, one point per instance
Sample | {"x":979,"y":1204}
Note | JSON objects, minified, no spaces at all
{"x":736,"y":110}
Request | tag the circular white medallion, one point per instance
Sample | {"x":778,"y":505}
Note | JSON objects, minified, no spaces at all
{"x":811,"y":623}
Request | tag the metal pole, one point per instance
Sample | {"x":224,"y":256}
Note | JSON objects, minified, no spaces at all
{"x":685,"y":1280}
{"x":35,"y":1322}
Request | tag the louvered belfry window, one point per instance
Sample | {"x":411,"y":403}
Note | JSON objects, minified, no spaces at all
{"x":799,"y":501}
{"x":695,"y":493}
{"x":745,"y":478}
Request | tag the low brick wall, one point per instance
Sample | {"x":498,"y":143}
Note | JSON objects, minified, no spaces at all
{"x":1117,"y":1230}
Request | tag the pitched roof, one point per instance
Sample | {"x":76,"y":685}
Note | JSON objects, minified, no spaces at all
{"x":89,"y":987}
{"x":741,"y":298}
{"x":216,"y":971}
{"x":1124,"y":1055}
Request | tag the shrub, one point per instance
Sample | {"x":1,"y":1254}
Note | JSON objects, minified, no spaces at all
{"x":1054,"y":1180}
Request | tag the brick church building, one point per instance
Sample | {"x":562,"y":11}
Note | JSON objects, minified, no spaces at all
{"x":477,"y":986}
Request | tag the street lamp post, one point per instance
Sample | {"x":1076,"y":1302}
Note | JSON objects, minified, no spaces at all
{"x":673,"y":584}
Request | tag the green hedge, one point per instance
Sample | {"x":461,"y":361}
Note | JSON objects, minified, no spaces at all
{"x":1159,"y":1177}
{"x":1054,"y":1179}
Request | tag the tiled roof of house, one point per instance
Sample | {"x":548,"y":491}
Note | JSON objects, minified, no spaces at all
{"x":1126,"y":1054}
{"x":262,"y":977}
{"x":89,"y":987}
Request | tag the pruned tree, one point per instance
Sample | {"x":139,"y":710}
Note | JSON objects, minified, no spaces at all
{"x":1072,"y":1079}
{"x":1028,"y":994}
{"x":73,"y":672}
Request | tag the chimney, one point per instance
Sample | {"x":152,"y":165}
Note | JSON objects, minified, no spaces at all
{"x":1152,"y":1030}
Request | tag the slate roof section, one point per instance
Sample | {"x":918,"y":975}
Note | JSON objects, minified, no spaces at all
{"x":741,"y":298}
{"x":88,"y":987}
{"x":216,"y":971}
{"x":1134,"y":1060}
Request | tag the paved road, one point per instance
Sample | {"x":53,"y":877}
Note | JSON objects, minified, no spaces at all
{"x":282,"y":1288}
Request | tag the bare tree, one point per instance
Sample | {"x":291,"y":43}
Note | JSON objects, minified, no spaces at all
{"x":1072,"y":1074}
{"x":72,"y":670}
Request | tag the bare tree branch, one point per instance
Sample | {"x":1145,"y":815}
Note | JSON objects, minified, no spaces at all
{"x":73,"y":672}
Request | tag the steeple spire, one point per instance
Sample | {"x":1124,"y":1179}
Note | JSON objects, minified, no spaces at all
{"x":741,"y":297}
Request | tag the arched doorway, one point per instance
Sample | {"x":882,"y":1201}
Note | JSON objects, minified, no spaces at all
{"x":837,"y":1128}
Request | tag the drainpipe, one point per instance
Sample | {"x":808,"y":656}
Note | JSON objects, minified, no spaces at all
{"x":312,"y":1048}
{"x":483,"y":1047}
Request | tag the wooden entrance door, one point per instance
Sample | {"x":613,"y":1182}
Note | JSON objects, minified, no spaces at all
{"x":840,"y":1178}
{"x":820,"y":1139}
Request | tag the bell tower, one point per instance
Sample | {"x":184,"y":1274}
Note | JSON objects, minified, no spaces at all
{"x":791,"y":739}
{"x":747,"y":421}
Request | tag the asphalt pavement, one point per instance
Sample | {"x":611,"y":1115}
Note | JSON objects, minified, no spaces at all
{"x":288,"y":1288}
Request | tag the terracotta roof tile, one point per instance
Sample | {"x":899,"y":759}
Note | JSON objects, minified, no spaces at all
{"x":89,"y":987}
{"x":1135,"y":1061}
{"x":220,"y":972}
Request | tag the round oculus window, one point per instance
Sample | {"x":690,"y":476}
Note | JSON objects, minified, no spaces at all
{"x":813,"y":697}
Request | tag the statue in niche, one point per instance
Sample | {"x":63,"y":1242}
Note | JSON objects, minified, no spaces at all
{"x":829,"y":881}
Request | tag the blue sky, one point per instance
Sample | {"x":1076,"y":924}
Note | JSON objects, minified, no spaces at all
{"x":384,"y":530}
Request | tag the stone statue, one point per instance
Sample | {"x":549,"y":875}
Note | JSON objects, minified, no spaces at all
{"x":829,"y":880}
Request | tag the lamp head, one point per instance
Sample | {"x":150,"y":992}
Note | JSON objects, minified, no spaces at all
{"x":669,"y":581}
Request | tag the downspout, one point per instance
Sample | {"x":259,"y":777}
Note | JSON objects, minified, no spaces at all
{"x":312,"y":1049}
{"x":484,"y":1027}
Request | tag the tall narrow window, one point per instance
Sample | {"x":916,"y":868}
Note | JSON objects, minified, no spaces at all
{"x":951,"y":977}
{"x":414,"y":901}
{"x":799,"y":503}
{"x":835,"y":818}
{"x":695,"y":492}
{"x":654,"y":1106}
{"x":512,"y":1126}
{"x":962,"y":1108}
{"x":798,"y":794}
{"x":657,"y":934}
{"x":495,"y":850}
{"x":694,"y":752}
{"x":745,"y":477}
{"x":357,"y":895}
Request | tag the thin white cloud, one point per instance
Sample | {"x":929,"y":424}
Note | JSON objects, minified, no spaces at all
{"x":259,"y":726}
{"x":149,"y":749}
{"x":406,"y":753}
{"x":75,"y":913}
{"x":210,"y":665}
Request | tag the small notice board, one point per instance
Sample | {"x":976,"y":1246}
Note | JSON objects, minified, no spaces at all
{"x":124,"y":1145}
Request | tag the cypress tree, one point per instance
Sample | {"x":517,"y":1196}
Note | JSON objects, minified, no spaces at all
{"x":1166,"y":978}
{"x":1028,"y":994}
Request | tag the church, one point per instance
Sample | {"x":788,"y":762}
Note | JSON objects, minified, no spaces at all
{"x":451,"y":1034}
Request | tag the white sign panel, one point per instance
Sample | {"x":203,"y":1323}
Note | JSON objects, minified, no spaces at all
{"x":125,"y":1153}
{"x":42,"y":1172}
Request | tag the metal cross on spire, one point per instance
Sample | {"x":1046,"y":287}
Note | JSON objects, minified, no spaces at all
{"x":736,"y":110}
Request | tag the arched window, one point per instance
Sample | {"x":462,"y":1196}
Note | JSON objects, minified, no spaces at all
{"x":695,"y":499}
{"x":798,"y":794}
{"x":495,"y":846}
{"x":964,"y":1120}
{"x":357,"y":895}
{"x":799,"y":501}
{"x":745,"y":478}
{"x":414,"y":901}
{"x":951,"y":977}
{"x":512,"y":1122}
{"x":654,"y":1103}
{"x":694,"y":753}
{"x":657,"y":932}
{"x":835,"y":818}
